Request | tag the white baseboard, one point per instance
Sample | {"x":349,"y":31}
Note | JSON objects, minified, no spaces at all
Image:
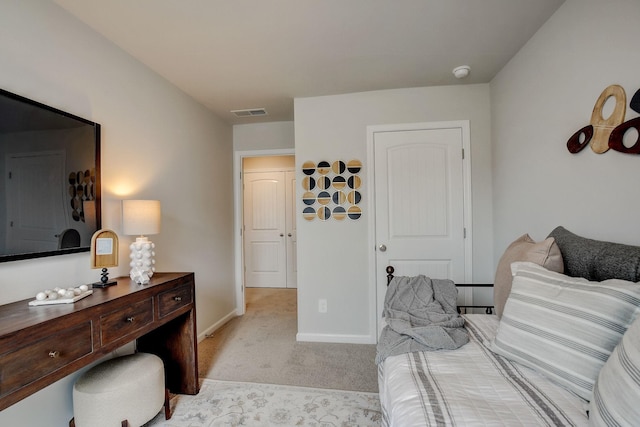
{"x":211,"y":329}
{"x":302,"y":337}
{"x":342,"y":339}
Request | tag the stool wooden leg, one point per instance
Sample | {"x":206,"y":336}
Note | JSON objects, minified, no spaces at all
{"x":167,"y":405}
{"x":72,"y":422}
{"x":125,"y":423}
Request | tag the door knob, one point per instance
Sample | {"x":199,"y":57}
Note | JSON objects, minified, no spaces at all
{"x":289,"y":234}
{"x":281,"y":234}
{"x":382,"y":248}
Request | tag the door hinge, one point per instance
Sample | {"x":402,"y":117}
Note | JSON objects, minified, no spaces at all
{"x":464,"y":233}
{"x":463,"y":154}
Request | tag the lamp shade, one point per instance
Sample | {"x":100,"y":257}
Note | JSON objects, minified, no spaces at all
{"x":140,"y":217}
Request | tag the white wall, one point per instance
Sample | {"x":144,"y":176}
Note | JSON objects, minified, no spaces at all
{"x":333,"y":257}
{"x":156,"y":143}
{"x":545,"y":94}
{"x":263,"y":136}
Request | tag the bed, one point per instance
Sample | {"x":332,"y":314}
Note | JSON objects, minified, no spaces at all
{"x":557,"y":362}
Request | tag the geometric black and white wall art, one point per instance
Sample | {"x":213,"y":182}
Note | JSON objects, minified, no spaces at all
{"x":332,"y":190}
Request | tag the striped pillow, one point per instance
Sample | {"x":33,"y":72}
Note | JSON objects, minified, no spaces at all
{"x":564,"y":327}
{"x":616,"y":395}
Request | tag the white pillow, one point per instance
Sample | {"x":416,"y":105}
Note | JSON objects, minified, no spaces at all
{"x":564,"y":327}
{"x":616,"y":395}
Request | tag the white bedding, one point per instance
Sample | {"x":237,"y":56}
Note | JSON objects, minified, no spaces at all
{"x":472,"y":386}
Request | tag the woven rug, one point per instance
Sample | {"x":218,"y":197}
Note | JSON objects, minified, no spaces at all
{"x":228,"y":403}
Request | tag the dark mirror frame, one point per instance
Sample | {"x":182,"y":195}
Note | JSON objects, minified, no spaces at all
{"x":96,"y":185}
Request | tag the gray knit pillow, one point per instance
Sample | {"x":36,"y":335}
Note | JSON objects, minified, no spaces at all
{"x":597,"y":260}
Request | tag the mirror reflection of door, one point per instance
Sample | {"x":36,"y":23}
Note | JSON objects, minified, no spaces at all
{"x":269,"y":222}
{"x":35,"y":221}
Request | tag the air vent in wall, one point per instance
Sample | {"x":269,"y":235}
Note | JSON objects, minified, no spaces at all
{"x":250,"y":112}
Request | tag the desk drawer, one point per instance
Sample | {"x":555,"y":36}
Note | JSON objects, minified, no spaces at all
{"x":173,"y":299}
{"x":39,"y":359}
{"x":125,"y":321}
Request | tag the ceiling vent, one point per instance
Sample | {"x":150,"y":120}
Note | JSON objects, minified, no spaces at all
{"x":250,"y":112}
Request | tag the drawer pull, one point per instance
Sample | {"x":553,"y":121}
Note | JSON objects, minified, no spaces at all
{"x":130,"y":319}
{"x":54,"y":354}
{"x":178,"y":299}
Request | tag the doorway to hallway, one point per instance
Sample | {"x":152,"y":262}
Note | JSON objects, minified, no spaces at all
{"x":257,"y":164}
{"x":269,"y":223}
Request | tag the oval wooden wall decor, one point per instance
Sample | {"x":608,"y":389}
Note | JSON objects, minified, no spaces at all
{"x":326,"y":184}
{"x":607,"y":133}
{"x":616,"y":141}
{"x":602,"y":127}
{"x":580,"y":139}
{"x":635,"y":102}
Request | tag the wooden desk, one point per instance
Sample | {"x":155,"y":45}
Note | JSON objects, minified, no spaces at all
{"x":40,"y":345}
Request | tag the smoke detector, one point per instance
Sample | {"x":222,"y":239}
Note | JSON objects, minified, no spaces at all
{"x":250,"y":112}
{"x":462,"y":71}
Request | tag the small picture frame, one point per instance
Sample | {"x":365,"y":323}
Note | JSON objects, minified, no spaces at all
{"x":104,"y":254}
{"x":104,"y":249}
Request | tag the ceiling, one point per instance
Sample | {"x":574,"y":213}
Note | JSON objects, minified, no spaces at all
{"x":246,"y":54}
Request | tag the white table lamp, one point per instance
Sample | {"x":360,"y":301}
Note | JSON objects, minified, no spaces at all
{"x":140,"y":218}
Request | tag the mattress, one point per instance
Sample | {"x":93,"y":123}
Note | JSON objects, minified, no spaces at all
{"x":472,"y":386}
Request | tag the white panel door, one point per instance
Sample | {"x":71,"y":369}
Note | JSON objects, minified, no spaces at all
{"x":270,"y":233}
{"x":264,"y":229}
{"x":419,"y":205}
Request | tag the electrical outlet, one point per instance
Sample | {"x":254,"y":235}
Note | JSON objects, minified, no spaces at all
{"x":322,"y":305}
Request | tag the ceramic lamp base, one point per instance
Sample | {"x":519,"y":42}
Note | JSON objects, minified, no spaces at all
{"x":142,"y":260}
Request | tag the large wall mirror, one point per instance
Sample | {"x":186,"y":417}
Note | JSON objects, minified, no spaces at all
{"x":49,"y":180}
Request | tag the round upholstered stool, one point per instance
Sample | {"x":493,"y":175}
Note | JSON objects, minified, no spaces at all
{"x":127,"y":390}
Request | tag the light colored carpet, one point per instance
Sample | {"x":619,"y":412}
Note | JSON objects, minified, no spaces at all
{"x":224,"y":403}
{"x":261,"y":347}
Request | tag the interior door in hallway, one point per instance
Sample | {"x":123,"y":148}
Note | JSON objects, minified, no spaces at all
{"x":269,"y":232}
{"x":419,"y":205}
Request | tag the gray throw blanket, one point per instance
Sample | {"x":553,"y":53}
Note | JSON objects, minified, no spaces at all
{"x":421,"y":315}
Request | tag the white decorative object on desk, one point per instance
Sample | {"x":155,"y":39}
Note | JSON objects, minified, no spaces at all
{"x":61,"y":296}
{"x":141,"y":217}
